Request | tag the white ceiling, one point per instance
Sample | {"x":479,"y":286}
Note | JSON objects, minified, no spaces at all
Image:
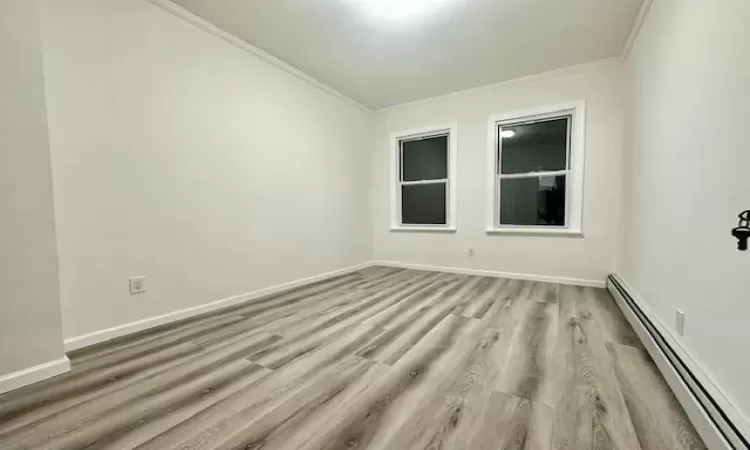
{"x":387,"y":56}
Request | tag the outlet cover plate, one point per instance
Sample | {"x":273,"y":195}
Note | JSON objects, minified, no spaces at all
{"x":137,"y":285}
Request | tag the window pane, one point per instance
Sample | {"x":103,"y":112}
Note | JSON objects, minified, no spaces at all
{"x":533,"y":201}
{"x":535,"y":147}
{"x":423,"y":204}
{"x":425,"y":159}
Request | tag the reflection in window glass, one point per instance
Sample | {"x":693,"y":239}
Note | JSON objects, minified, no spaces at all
{"x":533,"y":201}
{"x":534,"y":147}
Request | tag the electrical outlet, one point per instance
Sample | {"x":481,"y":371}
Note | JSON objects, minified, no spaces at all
{"x":471,"y":252}
{"x":137,"y":285}
{"x":680,"y":322}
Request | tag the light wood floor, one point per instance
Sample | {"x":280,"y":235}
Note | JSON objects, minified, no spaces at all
{"x":378,"y":359}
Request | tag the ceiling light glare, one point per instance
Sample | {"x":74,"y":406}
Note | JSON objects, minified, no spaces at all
{"x":506,"y":134}
{"x":400,"y":13}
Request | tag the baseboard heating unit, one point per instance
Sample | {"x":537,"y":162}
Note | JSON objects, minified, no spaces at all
{"x":709,"y":418}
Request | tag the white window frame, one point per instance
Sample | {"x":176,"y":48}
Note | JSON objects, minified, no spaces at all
{"x":574,"y":171}
{"x":395,"y":176}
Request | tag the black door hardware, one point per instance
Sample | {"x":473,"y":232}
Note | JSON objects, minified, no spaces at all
{"x":742,"y":232}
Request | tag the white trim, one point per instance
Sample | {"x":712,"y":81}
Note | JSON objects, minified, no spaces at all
{"x":554,"y":73}
{"x":437,"y":229}
{"x":703,"y":424}
{"x":34,"y":374}
{"x":537,"y":231}
{"x":636,"y":28}
{"x":107,"y":334}
{"x":492,"y":273}
{"x":574,"y":171}
{"x":538,"y":113}
{"x":435,"y":181}
{"x":451,"y":182}
{"x":551,"y":173}
{"x":207,"y":26}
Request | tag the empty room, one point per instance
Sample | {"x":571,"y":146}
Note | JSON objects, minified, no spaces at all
{"x":374,"y":224}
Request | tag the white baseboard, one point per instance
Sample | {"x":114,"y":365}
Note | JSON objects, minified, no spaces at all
{"x":686,"y":388}
{"x":34,"y":374}
{"x":107,"y":334}
{"x":491,"y":273}
{"x":99,"y":336}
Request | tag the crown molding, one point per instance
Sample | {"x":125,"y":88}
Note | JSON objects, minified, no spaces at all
{"x":614,"y":60}
{"x":636,"y":28}
{"x":209,"y":27}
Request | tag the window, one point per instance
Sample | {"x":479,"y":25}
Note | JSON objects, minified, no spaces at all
{"x":423,"y":179}
{"x":536,"y":171}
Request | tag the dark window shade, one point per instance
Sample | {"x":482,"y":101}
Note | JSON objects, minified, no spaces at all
{"x":423,"y":204}
{"x":533,"y":201}
{"x":424,"y":159}
{"x":535,"y":147}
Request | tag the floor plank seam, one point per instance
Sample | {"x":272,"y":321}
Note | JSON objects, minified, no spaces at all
{"x":383,"y":358}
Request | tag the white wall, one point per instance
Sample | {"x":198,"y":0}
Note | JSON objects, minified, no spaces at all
{"x":29,"y":310}
{"x":687,"y":165}
{"x":589,"y":258}
{"x":185,"y":159}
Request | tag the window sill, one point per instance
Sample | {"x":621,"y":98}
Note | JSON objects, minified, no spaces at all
{"x":537,"y":231}
{"x":426,"y":229}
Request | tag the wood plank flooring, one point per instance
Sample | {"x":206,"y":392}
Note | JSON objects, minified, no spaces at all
{"x":382,"y":358}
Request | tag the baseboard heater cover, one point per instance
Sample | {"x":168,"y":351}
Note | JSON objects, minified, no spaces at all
{"x":719,"y":420}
